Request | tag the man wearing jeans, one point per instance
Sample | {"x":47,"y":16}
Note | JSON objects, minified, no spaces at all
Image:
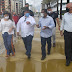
{"x":46,"y":23}
{"x":26,"y":24}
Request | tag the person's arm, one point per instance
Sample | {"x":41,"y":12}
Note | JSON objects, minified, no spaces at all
{"x":13,"y":27}
{"x":62,"y":27}
{"x":58,"y":22}
{"x":57,"y":19}
{"x":51,"y":24}
{"x":32,"y":21}
{"x":39,"y":23}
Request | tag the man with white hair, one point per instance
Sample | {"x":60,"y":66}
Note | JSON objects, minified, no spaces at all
{"x":67,"y":27}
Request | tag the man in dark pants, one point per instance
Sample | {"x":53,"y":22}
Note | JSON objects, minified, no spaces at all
{"x":55,"y":18}
{"x":43,"y":43}
{"x":28,"y":44}
{"x":67,"y":27}
{"x":46,"y":23}
{"x":26,"y":24}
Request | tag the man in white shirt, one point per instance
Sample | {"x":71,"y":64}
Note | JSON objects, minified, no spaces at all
{"x":67,"y":27}
{"x":46,"y":23}
{"x":26,"y":24}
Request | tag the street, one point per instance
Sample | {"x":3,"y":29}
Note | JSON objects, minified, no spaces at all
{"x":19,"y":63}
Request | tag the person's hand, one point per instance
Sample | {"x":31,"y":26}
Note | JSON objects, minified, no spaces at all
{"x":61,"y":33}
{"x":45,"y":27}
{"x":37,"y":25}
{"x":10,"y":30}
{"x":59,"y":28}
{"x":28,"y":22}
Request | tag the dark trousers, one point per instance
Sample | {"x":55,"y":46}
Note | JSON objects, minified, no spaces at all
{"x":28,"y":44}
{"x":7,"y":42}
{"x":43,"y":45}
{"x":68,"y":44}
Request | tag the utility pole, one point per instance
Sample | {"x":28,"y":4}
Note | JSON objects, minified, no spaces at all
{"x":61,"y":10}
{"x":25,"y":1}
{"x":68,"y":1}
{"x":14,"y":5}
{"x":57,"y":7}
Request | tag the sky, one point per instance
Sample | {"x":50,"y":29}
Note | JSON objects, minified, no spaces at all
{"x":35,"y":3}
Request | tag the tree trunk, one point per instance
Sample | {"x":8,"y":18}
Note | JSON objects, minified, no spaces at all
{"x":61,"y":10}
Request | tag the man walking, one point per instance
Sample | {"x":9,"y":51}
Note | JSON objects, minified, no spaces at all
{"x":26,"y":24}
{"x":67,"y":27}
{"x":55,"y":18}
{"x":46,"y":23}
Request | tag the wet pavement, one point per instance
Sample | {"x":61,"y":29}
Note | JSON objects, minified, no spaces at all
{"x":19,"y":63}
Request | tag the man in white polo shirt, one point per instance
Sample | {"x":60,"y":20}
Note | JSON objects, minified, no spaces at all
{"x":67,"y":27}
{"x":26,"y":24}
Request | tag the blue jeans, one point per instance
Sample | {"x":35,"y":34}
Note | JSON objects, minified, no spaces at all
{"x":43,"y":45}
{"x":28,"y":44}
{"x":7,"y":42}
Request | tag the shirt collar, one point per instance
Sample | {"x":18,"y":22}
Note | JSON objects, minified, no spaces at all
{"x":47,"y":16}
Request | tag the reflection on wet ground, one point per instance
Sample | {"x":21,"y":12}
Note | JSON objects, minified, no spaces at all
{"x":19,"y":63}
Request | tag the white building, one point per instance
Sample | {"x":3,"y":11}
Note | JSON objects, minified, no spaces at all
{"x":53,"y":4}
{"x":24,"y":1}
{"x":16,"y":5}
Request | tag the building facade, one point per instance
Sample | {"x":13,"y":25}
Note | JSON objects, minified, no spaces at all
{"x":16,"y":5}
{"x":11,"y":5}
{"x":53,"y":4}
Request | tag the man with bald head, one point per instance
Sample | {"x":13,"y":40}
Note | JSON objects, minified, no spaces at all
{"x":67,"y":27}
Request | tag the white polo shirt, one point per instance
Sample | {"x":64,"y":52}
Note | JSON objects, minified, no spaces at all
{"x":67,"y":22}
{"x":26,"y":29}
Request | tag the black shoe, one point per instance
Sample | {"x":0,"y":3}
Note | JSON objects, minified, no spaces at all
{"x":29,"y":57}
{"x":71,"y":58}
{"x":48,"y":53}
{"x":26,"y":53}
{"x":43,"y":57}
{"x":54,"y":45}
{"x":67,"y":62}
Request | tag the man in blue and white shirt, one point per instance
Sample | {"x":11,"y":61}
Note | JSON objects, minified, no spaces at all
{"x":46,"y":23}
{"x":26,"y":24}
